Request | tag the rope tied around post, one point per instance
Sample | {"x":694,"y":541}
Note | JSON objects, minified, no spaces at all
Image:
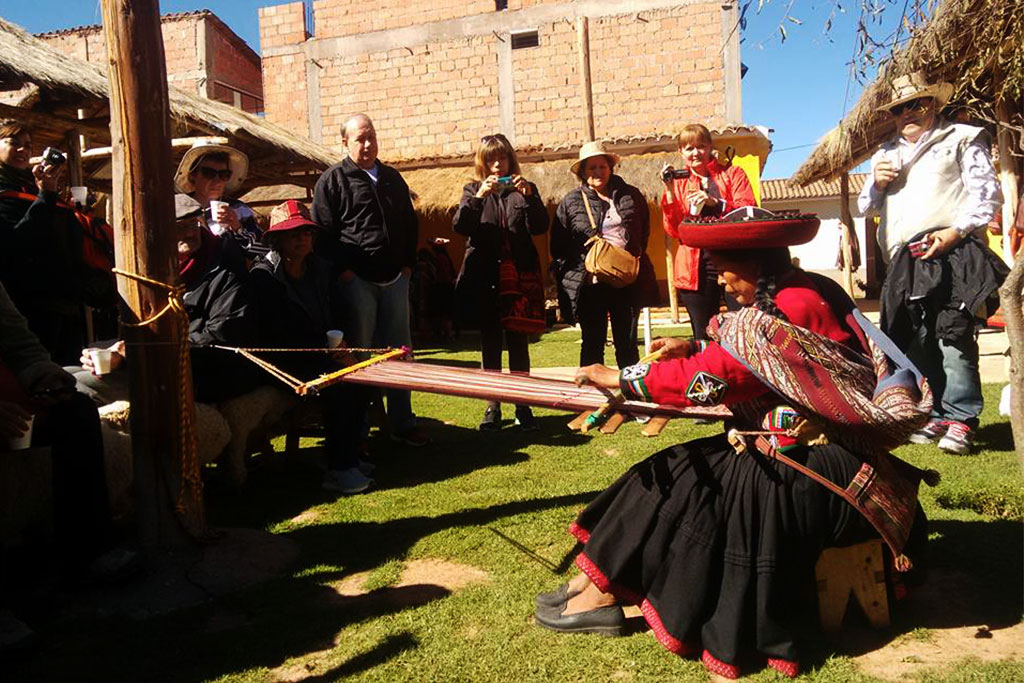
{"x":191,"y":481}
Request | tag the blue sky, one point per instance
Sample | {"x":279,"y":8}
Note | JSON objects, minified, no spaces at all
{"x":801,"y":87}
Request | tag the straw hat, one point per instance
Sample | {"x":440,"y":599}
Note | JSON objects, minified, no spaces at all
{"x":914,"y":86}
{"x":237,"y":162}
{"x":594,"y":148}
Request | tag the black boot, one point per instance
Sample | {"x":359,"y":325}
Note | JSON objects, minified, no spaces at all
{"x":492,"y":418}
{"x":525,"y":419}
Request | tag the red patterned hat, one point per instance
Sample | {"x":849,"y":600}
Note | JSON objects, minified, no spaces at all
{"x":749,"y":228}
{"x":290,"y":215}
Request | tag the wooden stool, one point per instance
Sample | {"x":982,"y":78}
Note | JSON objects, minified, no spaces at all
{"x":858,"y":569}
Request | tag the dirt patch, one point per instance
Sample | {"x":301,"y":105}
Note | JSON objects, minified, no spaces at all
{"x":906,"y":656}
{"x":306,"y":517}
{"x":450,"y":576}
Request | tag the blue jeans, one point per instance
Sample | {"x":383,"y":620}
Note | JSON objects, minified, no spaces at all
{"x":378,"y":316}
{"x":951,"y":368}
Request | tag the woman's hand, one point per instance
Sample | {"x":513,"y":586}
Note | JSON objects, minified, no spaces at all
{"x":700,"y":198}
{"x":47,"y":176}
{"x":598,"y":375}
{"x":117,"y":356}
{"x":489,"y":185}
{"x":667,"y":179}
{"x":522,"y":185}
{"x":13,"y":420}
{"x":673,"y":348}
{"x":227,"y":217}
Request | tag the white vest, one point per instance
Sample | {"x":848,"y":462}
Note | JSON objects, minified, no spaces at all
{"x":929,"y":189}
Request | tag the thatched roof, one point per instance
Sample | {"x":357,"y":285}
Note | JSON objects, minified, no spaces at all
{"x":59,"y":85}
{"x":977,"y":45}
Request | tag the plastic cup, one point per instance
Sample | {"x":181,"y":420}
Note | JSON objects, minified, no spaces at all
{"x":79,"y":194}
{"x":100,"y":361}
{"x":20,"y":443}
{"x":215,"y":206}
{"x":334,"y":338}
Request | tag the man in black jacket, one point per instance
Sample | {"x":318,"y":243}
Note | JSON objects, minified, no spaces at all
{"x":371,"y":234}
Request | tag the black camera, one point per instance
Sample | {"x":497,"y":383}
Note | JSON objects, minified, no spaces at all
{"x":53,"y":156}
{"x":669,"y":173}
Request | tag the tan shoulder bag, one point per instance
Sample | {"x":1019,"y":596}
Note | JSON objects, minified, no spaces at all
{"x":608,"y":263}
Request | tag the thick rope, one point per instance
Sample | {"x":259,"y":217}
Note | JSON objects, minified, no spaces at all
{"x":191,"y":481}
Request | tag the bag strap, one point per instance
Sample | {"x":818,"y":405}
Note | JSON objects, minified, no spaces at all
{"x":887,"y":345}
{"x":590,"y":212}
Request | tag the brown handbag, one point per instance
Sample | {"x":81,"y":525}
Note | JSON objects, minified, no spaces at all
{"x":612,"y":265}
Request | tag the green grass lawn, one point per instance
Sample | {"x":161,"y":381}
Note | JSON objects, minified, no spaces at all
{"x":499,"y":503}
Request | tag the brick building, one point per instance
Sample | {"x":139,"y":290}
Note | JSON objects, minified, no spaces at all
{"x":437,"y":76}
{"x":204,"y":56}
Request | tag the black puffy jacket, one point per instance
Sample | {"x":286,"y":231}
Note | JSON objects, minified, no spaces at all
{"x":571,"y":229}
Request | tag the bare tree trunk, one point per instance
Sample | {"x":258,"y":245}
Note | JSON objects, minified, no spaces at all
{"x":1011,"y":297}
{"x":168,"y":498}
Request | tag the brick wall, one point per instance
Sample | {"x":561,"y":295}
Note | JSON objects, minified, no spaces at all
{"x":235,"y":67}
{"x":650,"y":72}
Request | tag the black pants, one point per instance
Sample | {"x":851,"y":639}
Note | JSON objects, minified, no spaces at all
{"x":702,"y":304}
{"x":344,"y":407}
{"x":492,"y":337}
{"x":598,"y":303}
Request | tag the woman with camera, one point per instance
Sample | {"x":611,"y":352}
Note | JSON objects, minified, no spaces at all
{"x":499,"y":214}
{"x":703,"y":187}
{"x":40,"y":244}
{"x":607,"y":208}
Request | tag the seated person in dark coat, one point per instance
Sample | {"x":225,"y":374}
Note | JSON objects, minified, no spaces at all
{"x":299,"y":301}
{"x":219,"y":311}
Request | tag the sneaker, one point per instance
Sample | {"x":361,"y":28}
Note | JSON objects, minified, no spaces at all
{"x":525,"y":419}
{"x":930,"y":433}
{"x":958,"y":439}
{"x":346,"y":481}
{"x":642,"y":419}
{"x":415,"y":437}
{"x":366,"y":467}
{"x":492,"y":418}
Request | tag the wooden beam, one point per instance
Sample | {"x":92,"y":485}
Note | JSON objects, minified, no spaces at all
{"x":168,"y":493}
{"x":176,"y":143}
{"x":586,"y":93}
{"x":35,"y":119}
{"x":848,"y":233}
{"x":670,"y":276}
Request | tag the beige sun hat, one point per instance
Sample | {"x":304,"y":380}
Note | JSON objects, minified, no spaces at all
{"x":914,"y":86}
{"x":238,"y":162}
{"x":594,"y":148}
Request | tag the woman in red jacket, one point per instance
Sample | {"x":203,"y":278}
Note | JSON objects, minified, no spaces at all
{"x":702,"y":188}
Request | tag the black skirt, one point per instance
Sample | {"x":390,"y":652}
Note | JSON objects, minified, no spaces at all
{"x":718,"y":549}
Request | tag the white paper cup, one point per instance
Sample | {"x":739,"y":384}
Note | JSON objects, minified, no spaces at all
{"x":100,"y":361}
{"x":79,"y":193}
{"x":20,"y":443}
{"x":334,"y":338}
{"x":215,"y":206}
{"x":895,"y":159}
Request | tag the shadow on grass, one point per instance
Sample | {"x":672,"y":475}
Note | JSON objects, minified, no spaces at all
{"x":994,"y":436}
{"x":264,"y":626}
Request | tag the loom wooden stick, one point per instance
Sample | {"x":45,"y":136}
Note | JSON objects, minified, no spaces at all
{"x":654,"y":427}
{"x":613,"y":423}
{"x":601,"y":414}
{"x":335,"y":377}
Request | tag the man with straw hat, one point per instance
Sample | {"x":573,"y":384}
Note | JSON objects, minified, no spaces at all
{"x":933,"y":186}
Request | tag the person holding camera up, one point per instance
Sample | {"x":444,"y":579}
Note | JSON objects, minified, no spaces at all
{"x":499,"y":213}
{"x":599,"y":238}
{"x":40,"y":244}
{"x":703,"y":187}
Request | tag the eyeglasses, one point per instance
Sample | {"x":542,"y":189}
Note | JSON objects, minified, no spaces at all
{"x":919,"y":105}
{"x":211,"y":173}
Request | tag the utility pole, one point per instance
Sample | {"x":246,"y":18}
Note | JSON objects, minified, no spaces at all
{"x":168,"y":492}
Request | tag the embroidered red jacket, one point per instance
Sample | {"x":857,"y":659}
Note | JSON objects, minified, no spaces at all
{"x":735,"y":191}
{"x":710,"y":376}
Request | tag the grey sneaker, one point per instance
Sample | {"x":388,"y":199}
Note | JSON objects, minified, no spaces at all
{"x":930,"y":433}
{"x":346,"y":481}
{"x":958,"y":439}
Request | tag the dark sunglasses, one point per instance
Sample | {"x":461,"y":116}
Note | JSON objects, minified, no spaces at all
{"x":493,"y":138}
{"x":918,"y":105}
{"x":211,"y":173}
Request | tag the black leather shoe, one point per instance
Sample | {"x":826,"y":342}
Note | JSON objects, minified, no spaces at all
{"x":492,"y":417}
{"x":605,"y":621}
{"x":557,"y":597}
{"x":525,"y":419}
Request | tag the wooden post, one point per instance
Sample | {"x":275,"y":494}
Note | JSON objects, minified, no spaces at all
{"x":670,"y":275}
{"x":1007,"y":174}
{"x":586,"y":94}
{"x":168,"y":498}
{"x":73,"y":142}
{"x":848,"y":234}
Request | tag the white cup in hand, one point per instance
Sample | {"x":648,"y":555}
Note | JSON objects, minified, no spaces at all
{"x":101,"y":361}
{"x":20,"y":443}
{"x":79,"y":194}
{"x":335,"y":338}
{"x":215,"y":206}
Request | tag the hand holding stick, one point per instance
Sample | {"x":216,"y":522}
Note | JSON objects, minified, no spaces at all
{"x":601,"y":414}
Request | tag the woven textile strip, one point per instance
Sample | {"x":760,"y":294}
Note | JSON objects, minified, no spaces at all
{"x":868,"y":407}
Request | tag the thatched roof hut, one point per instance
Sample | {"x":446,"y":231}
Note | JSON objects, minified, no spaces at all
{"x":55,"y":93}
{"x":977,"y":45}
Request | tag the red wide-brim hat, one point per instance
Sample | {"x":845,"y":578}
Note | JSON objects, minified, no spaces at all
{"x":758,"y":229}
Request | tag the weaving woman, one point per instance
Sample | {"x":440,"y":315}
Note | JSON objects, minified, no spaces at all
{"x":716,"y":539}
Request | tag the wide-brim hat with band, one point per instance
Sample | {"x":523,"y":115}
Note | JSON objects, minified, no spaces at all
{"x":594,"y":148}
{"x":238,"y":162}
{"x":749,"y":228}
{"x":289,"y":215}
{"x":915,"y":86}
